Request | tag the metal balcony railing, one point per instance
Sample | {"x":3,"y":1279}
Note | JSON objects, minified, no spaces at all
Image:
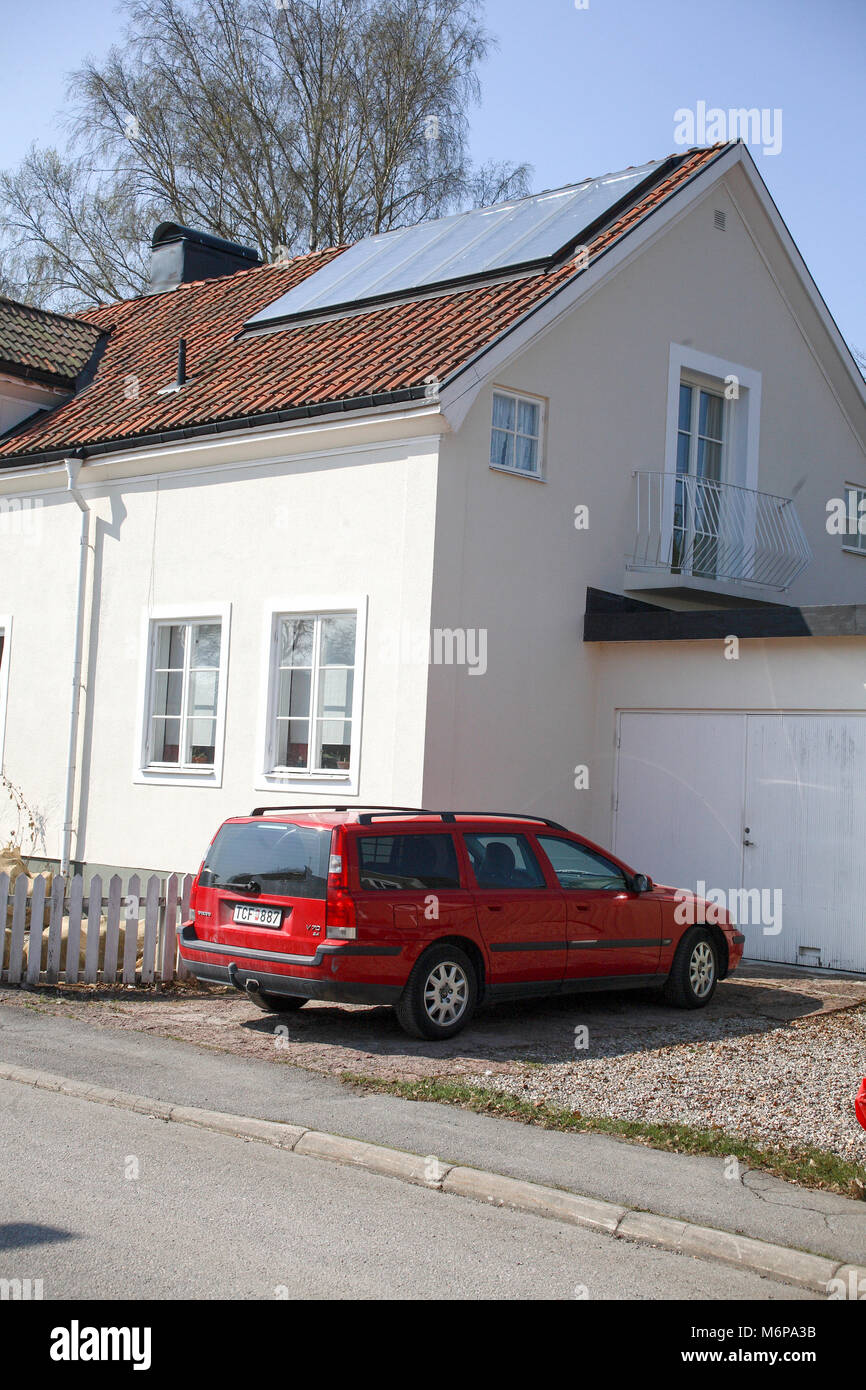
{"x":703,"y":529}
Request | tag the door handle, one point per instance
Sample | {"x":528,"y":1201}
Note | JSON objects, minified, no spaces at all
{"x":747,"y":832}
{"x":494,"y":907}
{"x":581,"y":907}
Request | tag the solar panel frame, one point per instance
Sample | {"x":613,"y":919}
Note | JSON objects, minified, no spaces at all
{"x":323,"y":294}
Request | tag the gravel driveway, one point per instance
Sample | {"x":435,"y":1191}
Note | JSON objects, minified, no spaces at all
{"x":778,"y":1055}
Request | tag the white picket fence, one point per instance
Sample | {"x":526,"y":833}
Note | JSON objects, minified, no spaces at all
{"x":65,"y":935}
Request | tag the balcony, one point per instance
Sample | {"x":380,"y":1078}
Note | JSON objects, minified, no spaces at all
{"x":698,"y":534}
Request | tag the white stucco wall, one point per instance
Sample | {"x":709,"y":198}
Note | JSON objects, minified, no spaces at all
{"x":327,"y":524}
{"x":510,"y":560}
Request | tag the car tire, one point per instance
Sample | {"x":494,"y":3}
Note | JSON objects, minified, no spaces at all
{"x":443,"y":980}
{"x":695,"y":971}
{"x":277,"y":1003}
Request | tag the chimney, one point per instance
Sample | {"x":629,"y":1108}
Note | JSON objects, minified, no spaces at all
{"x":180,"y":254}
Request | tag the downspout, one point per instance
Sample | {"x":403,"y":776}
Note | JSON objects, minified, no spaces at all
{"x":73,"y":468}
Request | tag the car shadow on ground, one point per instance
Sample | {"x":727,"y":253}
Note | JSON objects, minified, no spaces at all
{"x":540,"y":1031}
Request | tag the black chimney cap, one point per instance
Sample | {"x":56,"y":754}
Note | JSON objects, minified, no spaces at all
{"x":173,"y":231}
{"x":181,"y":254}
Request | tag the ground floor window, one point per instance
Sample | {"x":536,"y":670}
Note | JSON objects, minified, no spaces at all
{"x":185,"y":694}
{"x":312,"y":705}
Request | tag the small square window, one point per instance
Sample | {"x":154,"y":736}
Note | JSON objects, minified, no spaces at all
{"x":515,"y":438}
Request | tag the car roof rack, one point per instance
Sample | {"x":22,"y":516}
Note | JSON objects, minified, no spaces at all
{"x":506,"y":815}
{"x":383,"y":810}
{"x":369,"y":814}
{"x":450,"y":817}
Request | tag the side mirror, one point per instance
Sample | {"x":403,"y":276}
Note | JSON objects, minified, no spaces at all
{"x":641,"y":884}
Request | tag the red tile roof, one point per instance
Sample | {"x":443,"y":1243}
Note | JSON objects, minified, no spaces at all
{"x":44,"y":346}
{"x":236,"y":380}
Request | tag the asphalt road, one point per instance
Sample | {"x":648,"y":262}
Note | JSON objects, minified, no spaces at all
{"x":686,"y":1187}
{"x":103,"y":1203}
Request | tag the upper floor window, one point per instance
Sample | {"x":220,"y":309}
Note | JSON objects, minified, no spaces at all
{"x":855,"y":535}
{"x":516,"y":435}
{"x":312,"y":722}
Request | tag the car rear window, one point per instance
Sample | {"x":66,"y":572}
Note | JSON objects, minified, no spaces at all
{"x":395,"y":862}
{"x":290,"y":861}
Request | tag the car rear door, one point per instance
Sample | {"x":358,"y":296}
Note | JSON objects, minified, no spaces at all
{"x":612,"y":931}
{"x":521,"y":913}
{"x":409,"y":884}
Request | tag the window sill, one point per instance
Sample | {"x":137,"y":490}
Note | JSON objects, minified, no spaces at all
{"x":306,"y":782}
{"x":516,"y":473}
{"x":855,"y":550}
{"x":184,"y":777}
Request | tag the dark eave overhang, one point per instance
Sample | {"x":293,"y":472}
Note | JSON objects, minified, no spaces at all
{"x":37,"y":375}
{"x":613,"y":618}
{"x":246,"y":422}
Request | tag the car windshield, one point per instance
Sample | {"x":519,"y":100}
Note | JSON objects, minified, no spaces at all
{"x":263,"y":857}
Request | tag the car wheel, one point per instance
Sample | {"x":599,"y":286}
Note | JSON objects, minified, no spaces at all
{"x":277,"y":1003}
{"x":440,"y":995}
{"x":694,"y":973}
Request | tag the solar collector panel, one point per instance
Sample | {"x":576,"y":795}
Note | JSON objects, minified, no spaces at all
{"x":510,"y":236}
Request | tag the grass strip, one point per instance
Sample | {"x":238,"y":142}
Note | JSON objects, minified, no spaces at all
{"x":806,"y":1165}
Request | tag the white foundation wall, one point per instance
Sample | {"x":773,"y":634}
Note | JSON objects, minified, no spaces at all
{"x":347,"y":523}
{"x":509,"y":559}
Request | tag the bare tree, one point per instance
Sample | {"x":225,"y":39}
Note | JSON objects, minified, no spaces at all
{"x":279,"y":123}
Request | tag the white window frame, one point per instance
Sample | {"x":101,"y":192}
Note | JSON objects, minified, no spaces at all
{"x":290,"y":780}
{"x":741,"y":428}
{"x":162,"y":774}
{"x":538,"y":474}
{"x":742,"y":422}
{"x":852,"y":545}
{"x":6,"y":632}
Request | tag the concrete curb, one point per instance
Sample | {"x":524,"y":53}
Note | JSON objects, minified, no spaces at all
{"x":807,"y":1271}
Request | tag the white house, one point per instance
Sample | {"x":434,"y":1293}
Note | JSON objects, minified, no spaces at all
{"x":552,"y":507}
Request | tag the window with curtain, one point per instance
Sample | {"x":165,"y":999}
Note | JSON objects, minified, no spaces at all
{"x":312,"y":718}
{"x":184,"y":692}
{"x":515,"y":440}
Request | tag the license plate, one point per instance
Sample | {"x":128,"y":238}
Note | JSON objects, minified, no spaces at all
{"x":248,"y":916}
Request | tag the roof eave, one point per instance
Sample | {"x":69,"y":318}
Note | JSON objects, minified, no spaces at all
{"x":297,"y":414}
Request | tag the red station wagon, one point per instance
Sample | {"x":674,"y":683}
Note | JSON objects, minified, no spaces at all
{"x":435,"y":912}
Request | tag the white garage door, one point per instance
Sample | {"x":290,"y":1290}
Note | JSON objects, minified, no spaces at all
{"x":769,"y":805}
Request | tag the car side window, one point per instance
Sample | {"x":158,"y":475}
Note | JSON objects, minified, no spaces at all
{"x":503,"y":861}
{"x":576,"y":866}
{"x":389,"y":863}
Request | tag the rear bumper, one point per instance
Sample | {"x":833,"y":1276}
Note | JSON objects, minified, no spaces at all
{"x":222,"y":963}
{"x":296,"y":986}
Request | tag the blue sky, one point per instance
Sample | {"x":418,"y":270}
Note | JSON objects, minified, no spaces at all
{"x":582,"y":91}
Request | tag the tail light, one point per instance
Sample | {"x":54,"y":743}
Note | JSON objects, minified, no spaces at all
{"x":340,"y":922}
{"x":193,"y":893}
